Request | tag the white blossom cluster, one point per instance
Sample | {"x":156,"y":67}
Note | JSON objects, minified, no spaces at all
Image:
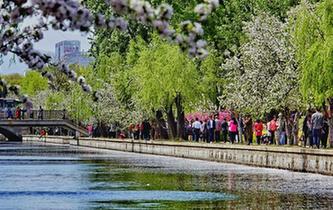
{"x":71,"y":15}
{"x":190,"y":37}
{"x":73,"y":77}
{"x":116,"y":111}
{"x":204,"y":9}
{"x":263,"y":75}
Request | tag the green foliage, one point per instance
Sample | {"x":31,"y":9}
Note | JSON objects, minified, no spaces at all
{"x":313,"y":37}
{"x":80,"y":104}
{"x":32,"y":83}
{"x":138,"y":73}
{"x":161,"y":72}
{"x":60,"y":79}
{"x":55,"y":101}
{"x":224,"y":27}
{"x":212,"y":77}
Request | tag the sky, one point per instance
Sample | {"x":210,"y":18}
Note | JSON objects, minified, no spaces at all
{"x":46,"y":45}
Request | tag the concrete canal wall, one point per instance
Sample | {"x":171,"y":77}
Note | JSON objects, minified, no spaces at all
{"x":290,"y":158}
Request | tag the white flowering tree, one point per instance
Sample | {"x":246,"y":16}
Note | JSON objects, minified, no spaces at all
{"x":108,"y":109}
{"x":263,"y":75}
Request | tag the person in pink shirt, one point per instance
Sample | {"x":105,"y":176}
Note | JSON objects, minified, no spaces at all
{"x":90,"y":129}
{"x":233,"y":129}
{"x":258,"y":128}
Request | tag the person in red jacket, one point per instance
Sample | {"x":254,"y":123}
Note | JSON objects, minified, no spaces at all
{"x":42,"y":134}
{"x":18,"y":113}
{"x":258,"y":128}
{"x":272,"y":128}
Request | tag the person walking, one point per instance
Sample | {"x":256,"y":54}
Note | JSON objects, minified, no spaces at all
{"x":248,"y":130}
{"x":18,"y":113}
{"x":224,"y":127}
{"x":113,"y":130}
{"x":40,"y":113}
{"x":137,"y":131}
{"x":282,"y":129}
{"x":204,"y":131}
{"x":146,"y":130}
{"x":324,"y":133}
{"x":317,"y":121}
{"x":211,"y":128}
{"x":9,"y":113}
{"x":42,"y":134}
{"x":258,"y":128}
{"x":141,"y":131}
{"x":131,"y":130}
{"x":196,"y":128}
{"x":90,"y":129}
{"x":272,"y":129}
{"x":188,"y":131}
{"x":153,"y":130}
{"x":218,"y":128}
{"x":233,"y":129}
{"x":307,"y":130}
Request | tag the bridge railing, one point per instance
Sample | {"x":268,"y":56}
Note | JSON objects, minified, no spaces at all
{"x":36,"y":115}
{"x":49,"y":115}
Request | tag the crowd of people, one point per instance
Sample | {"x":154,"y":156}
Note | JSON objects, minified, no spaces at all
{"x":275,"y":130}
{"x":19,"y":113}
{"x":145,"y":130}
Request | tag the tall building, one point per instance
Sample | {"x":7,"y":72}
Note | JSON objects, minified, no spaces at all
{"x":69,"y":52}
{"x":66,"y":48}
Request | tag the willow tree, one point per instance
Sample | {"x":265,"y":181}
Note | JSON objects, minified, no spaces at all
{"x":313,"y":37}
{"x":165,"y":78}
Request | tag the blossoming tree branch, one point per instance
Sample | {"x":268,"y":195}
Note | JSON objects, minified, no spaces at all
{"x":70,"y":15}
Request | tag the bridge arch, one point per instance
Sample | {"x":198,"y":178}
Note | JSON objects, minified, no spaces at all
{"x":10,"y":134}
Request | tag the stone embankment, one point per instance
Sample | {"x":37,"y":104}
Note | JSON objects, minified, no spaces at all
{"x":290,"y":158}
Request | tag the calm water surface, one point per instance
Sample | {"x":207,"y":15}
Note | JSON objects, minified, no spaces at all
{"x":60,"y":177}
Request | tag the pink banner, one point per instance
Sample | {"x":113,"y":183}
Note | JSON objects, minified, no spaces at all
{"x":205,"y":116}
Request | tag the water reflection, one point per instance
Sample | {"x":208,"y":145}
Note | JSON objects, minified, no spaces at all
{"x":37,"y":177}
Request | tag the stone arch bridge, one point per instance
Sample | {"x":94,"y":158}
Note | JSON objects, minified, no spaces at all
{"x":12,"y":128}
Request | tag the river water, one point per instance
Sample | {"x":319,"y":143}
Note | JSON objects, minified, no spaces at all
{"x":61,"y":177}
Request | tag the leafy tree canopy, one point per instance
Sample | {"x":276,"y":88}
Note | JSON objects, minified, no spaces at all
{"x":161,"y":72}
{"x":33,"y":83}
{"x":313,"y":37}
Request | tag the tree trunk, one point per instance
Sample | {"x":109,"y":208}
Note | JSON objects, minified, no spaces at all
{"x":330,"y":121}
{"x":180,"y":117}
{"x":217,"y":101}
{"x":288,"y":127}
{"x":161,"y":127}
{"x":171,"y":122}
{"x":295,"y":128}
{"x":240,"y":129}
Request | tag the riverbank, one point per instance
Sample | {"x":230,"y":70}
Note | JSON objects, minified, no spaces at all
{"x":290,"y":158}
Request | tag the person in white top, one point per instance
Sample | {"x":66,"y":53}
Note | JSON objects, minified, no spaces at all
{"x":196,"y":126}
